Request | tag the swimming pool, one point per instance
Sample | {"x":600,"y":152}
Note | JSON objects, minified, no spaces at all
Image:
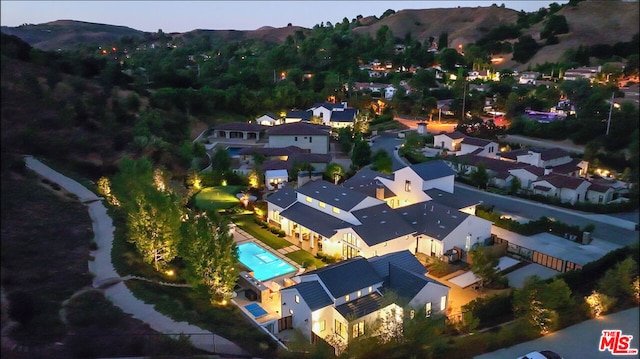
{"x":264,"y":264}
{"x":234,"y":152}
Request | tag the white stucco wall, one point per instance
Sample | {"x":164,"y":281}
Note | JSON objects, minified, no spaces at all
{"x":316,"y":144}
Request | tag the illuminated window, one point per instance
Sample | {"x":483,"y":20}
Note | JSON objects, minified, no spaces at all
{"x":291,"y":311}
{"x":297,"y":299}
{"x":358,"y":329}
{"x":407,"y":186}
{"x":323,"y":325}
{"x":346,"y":298}
{"x":340,"y":329}
{"x":359,"y":293}
{"x":443,"y":302}
{"x":309,"y":199}
{"x":321,"y":204}
{"x":370,"y":289}
{"x":336,"y":210}
{"x":412,"y":314}
{"x":427,"y":309}
{"x":276,"y":216}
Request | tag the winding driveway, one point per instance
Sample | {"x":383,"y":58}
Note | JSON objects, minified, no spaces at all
{"x":106,"y":277}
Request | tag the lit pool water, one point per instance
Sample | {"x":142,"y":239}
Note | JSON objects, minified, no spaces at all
{"x":264,"y":264}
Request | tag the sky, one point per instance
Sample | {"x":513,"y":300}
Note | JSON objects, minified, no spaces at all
{"x":184,"y":16}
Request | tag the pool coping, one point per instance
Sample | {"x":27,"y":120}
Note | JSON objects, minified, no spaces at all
{"x":276,"y":253}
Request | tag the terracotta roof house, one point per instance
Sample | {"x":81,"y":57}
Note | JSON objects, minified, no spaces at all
{"x":556,"y":158}
{"x":346,"y":300}
{"x":565,"y":188}
{"x":238,"y":130}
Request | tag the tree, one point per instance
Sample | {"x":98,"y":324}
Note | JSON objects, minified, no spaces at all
{"x":515,"y":185}
{"x":221,"y":160}
{"x":524,"y":49}
{"x":484,"y":264}
{"x":334,"y":172}
{"x":479,"y":176}
{"x":361,"y":155}
{"x":210,"y":254}
{"x":382,"y":162}
{"x":617,"y":282}
{"x":153,"y":227}
{"x":539,"y":303}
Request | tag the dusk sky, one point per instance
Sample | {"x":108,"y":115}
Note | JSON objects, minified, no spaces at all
{"x":183,"y":16}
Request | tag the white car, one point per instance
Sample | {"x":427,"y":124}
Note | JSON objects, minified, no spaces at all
{"x":543,"y":354}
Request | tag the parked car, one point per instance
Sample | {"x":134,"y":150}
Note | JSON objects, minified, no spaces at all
{"x":542,"y":354}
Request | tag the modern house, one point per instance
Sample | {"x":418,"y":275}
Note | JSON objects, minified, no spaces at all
{"x":343,"y":301}
{"x":462,"y":144}
{"x":367,"y":217}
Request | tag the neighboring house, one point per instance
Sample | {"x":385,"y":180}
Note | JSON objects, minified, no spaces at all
{"x":275,"y":178}
{"x":528,"y":78}
{"x":470,"y":162}
{"x":297,"y":116}
{"x":451,"y":141}
{"x":556,"y":158}
{"x":335,"y":115}
{"x":565,"y":188}
{"x":528,"y":174}
{"x":269,"y":119}
{"x":462,"y":144}
{"x":343,"y":301}
{"x":483,"y":75}
{"x":238,"y":130}
{"x":589,"y":73}
{"x":600,"y":194}
{"x":308,"y":136}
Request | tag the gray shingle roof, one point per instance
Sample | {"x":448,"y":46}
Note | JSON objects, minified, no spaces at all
{"x":432,"y":170}
{"x":283,"y":198}
{"x":347,"y":276}
{"x":454,"y":200}
{"x":362,"y":306}
{"x":407,"y":284}
{"x":365,"y":182}
{"x":380,"y":223}
{"x":240,"y":126}
{"x":315,"y":220}
{"x":333,"y":195}
{"x":474,"y":141}
{"x":302,"y":114}
{"x":347,"y":115}
{"x":432,"y":219}
{"x":313,"y":294}
{"x":403,"y":259}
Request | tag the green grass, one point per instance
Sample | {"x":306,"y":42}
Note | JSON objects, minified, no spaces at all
{"x":217,"y":198}
{"x":305,"y":259}
{"x":246,"y":222}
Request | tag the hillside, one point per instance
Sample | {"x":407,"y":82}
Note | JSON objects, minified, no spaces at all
{"x":65,"y":34}
{"x":464,"y":25}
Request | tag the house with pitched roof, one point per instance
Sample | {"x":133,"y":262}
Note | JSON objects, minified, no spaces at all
{"x":565,"y":188}
{"x":462,"y":144}
{"x":556,"y":158}
{"x":334,"y":115}
{"x":308,"y":136}
{"x":365,"y":217}
{"x":269,"y":119}
{"x":346,"y":300}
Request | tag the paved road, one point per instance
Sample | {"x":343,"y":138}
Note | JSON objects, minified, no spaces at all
{"x":579,"y":341}
{"x":615,"y":228}
{"x":103,"y":271}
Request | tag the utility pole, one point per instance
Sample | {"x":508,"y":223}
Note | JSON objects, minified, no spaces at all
{"x":610,"y":110}
{"x":464,"y":98}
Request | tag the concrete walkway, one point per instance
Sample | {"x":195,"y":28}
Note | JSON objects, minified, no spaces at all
{"x":105,"y":275}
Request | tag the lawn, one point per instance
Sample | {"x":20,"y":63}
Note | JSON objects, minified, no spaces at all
{"x":247,"y":223}
{"x":217,"y":198}
{"x":305,"y":259}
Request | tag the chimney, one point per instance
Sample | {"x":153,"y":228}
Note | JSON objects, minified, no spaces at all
{"x":548,"y":170}
{"x":303,"y":177}
{"x":379,"y":191}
